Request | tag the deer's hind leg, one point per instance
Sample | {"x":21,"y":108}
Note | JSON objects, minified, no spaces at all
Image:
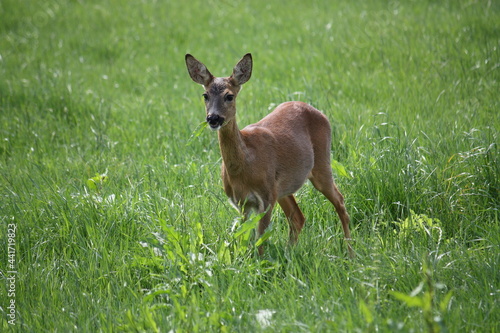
{"x":322,"y":179}
{"x":294,"y":215}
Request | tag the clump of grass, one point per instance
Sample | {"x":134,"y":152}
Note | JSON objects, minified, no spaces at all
{"x":426,"y":302}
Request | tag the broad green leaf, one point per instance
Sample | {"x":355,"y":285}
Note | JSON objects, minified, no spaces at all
{"x":199,"y":233}
{"x":340,"y":169}
{"x":250,"y":224}
{"x":224,"y":254}
{"x":245,"y":227}
{"x":171,"y":233}
{"x":97,"y":179}
{"x":411,"y":301}
{"x":91,"y":184}
{"x":443,"y":305}
{"x":264,"y":237}
{"x":366,"y":312}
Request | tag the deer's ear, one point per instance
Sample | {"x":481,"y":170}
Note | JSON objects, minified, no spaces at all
{"x":198,"y":72}
{"x":243,"y":70}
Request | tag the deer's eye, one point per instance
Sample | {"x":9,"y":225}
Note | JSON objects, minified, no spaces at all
{"x":229,"y":98}
{"x":205,"y":97}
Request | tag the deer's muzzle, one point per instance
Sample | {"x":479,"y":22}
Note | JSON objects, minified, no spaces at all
{"x":215,"y":121}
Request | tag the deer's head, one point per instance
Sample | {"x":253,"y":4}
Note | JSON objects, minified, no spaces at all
{"x":220,"y":92}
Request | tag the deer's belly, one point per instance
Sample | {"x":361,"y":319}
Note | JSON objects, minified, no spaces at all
{"x":251,"y":201}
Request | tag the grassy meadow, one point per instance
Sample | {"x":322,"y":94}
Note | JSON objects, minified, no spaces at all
{"x":112,"y":213}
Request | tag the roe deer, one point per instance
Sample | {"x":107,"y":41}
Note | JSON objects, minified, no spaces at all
{"x":267,"y":162}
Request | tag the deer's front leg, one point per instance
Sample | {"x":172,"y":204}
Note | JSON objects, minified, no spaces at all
{"x":262,"y":226}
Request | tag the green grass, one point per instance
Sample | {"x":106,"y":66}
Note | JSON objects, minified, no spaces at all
{"x":100,"y":88}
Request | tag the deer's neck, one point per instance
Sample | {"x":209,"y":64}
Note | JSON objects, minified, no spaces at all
{"x":232,"y":148}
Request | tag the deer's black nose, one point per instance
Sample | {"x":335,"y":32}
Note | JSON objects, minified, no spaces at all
{"x":215,"y":121}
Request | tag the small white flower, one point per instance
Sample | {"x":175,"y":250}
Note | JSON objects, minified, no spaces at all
{"x":264,"y":317}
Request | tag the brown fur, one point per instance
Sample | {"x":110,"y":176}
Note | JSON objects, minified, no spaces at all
{"x":267,"y":162}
